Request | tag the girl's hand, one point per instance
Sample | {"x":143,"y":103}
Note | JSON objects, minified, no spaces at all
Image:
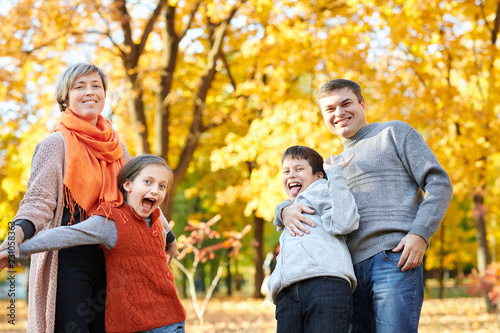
{"x":328,"y":164}
{"x":9,"y":243}
{"x":6,"y":260}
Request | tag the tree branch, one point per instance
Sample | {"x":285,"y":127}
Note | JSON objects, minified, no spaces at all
{"x":197,"y":128}
{"x":108,"y":35}
{"x":191,"y":15}
{"x":125,"y":21}
{"x":226,"y":64}
{"x":150,"y":25}
{"x":496,"y":27}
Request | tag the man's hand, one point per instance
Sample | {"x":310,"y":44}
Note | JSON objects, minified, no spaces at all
{"x":414,"y":247}
{"x":172,"y":250}
{"x":294,"y":221}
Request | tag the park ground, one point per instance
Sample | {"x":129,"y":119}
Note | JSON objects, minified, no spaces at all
{"x":455,"y":313}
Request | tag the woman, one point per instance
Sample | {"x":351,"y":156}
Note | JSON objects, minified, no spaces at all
{"x":73,"y":171}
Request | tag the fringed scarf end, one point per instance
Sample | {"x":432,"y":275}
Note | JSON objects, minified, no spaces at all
{"x":106,"y":209}
{"x":72,"y":205}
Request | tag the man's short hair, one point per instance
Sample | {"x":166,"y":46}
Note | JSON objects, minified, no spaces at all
{"x":336,"y":84}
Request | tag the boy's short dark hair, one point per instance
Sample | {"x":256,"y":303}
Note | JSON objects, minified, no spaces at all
{"x":305,"y":153}
{"x":337,"y":84}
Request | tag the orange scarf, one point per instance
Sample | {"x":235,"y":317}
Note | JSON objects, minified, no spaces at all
{"x":93,"y":159}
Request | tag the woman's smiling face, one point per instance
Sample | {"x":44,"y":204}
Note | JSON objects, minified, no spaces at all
{"x":86,"y":97}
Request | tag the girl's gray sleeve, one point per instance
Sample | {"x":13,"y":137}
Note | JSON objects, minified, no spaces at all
{"x":95,"y":230}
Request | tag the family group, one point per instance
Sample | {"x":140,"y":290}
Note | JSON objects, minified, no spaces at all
{"x":355,"y":228}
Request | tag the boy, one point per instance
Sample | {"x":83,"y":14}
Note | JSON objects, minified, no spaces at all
{"x":314,"y":278}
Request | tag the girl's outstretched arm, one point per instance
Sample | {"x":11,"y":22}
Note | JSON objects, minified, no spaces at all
{"x":95,"y":230}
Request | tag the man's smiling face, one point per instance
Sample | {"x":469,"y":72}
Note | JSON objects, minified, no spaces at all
{"x":343,"y":114}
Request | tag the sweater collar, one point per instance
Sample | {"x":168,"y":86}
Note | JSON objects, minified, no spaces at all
{"x":359,"y":135}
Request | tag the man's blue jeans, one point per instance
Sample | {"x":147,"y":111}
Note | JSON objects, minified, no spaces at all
{"x":386,"y":299}
{"x":322,"y":304}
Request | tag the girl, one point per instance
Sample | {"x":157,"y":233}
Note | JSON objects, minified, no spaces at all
{"x":141,"y":294}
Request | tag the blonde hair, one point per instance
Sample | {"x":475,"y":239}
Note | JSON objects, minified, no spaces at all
{"x":68,"y":77}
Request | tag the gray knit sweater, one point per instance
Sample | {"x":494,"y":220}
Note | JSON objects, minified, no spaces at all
{"x":392,"y":165}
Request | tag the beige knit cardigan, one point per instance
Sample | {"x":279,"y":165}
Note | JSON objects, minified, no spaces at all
{"x":43,"y":205}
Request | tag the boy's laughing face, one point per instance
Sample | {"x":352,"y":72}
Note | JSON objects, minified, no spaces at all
{"x":297,"y":176}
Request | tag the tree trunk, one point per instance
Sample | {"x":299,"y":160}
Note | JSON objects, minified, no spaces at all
{"x":170,"y":50}
{"x":229,"y":278}
{"x":184,"y":281}
{"x":136,"y":109}
{"x":238,"y":277}
{"x":259,"y":255}
{"x":214,"y":266}
{"x":201,"y":278}
{"x":483,"y":253}
{"x":460,"y":274}
{"x":441,"y":262}
{"x":196,"y":127}
{"x":130,"y":60}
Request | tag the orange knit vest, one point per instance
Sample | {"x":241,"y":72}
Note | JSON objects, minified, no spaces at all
{"x":141,"y":293}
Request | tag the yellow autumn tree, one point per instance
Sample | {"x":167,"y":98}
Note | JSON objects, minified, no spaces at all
{"x":221,"y":88}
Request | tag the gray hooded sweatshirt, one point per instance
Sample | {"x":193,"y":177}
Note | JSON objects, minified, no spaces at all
{"x":322,"y":252}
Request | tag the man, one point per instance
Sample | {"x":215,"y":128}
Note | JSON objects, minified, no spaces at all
{"x":392,"y":166}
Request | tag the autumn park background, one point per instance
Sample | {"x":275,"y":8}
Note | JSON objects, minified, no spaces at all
{"x":220,"y":88}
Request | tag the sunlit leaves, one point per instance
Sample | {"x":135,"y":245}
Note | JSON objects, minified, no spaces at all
{"x":430,"y":63}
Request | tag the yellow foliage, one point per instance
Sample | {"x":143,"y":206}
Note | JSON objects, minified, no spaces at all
{"x":438,"y":71}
